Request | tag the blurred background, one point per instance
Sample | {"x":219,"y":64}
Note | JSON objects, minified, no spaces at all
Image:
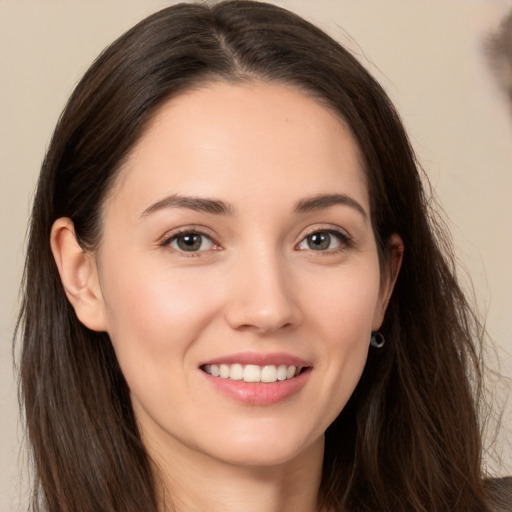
{"x":431,"y":57}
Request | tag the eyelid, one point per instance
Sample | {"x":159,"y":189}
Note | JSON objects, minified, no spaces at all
{"x":190,"y":229}
{"x":345,"y":238}
{"x":330,"y":228}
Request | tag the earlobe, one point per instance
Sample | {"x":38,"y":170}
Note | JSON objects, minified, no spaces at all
{"x":394,"y":257}
{"x":79,"y":275}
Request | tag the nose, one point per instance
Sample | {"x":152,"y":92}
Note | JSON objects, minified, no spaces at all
{"x":262,"y":297}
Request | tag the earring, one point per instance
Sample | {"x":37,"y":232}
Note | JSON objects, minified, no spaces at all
{"x":377,"y":339}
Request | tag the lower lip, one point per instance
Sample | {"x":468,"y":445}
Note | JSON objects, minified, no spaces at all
{"x":259,"y":393}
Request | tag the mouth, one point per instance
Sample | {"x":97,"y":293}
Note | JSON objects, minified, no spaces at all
{"x":256,"y":378}
{"x":252,"y":373}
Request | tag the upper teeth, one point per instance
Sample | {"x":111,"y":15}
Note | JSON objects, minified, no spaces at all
{"x":252,"y":372}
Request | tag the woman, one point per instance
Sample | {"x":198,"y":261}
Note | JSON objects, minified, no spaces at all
{"x":235,"y":296}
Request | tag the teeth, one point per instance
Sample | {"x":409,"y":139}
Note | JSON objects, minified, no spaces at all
{"x":224,"y":371}
{"x":236,"y":372}
{"x":269,"y":374}
{"x":252,"y":372}
{"x":282,"y":371}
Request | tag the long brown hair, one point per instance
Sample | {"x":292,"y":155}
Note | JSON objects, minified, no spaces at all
{"x":409,"y":437}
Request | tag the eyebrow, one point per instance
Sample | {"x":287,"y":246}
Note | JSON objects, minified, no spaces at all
{"x":319,"y":202}
{"x":200,"y":204}
{"x":218,"y":207}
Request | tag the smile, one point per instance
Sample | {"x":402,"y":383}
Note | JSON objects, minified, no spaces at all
{"x":252,"y":372}
{"x":257,"y":378}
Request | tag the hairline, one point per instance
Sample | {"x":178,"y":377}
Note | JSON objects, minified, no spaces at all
{"x":201,"y":83}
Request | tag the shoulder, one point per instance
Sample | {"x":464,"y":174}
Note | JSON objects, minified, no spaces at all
{"x":499,"y":491}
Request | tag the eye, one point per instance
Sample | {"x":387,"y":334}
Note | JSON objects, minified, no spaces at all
{"x":323,"y":240}
{"x":190,"y":242}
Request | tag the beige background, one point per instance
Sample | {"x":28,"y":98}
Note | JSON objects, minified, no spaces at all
{"x":426,"y":53}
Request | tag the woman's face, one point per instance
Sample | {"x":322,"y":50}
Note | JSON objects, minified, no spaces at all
{"x":237,"y":240}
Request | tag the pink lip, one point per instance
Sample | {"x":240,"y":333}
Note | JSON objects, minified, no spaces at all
{"x":260,"y":359}
{"x":259,"y":393}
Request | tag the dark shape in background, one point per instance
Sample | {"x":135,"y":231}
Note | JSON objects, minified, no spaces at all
{"x":498,"y":50}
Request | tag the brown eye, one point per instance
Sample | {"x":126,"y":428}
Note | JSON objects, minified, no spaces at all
{"x":319,"y":241}
{"x":191,"y":242}
{"x":322,"y":241}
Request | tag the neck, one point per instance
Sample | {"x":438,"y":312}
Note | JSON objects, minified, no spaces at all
{"x":190,"y":481}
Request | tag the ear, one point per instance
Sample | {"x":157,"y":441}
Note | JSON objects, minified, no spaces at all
{"x":391,"y":268}
{"x":79,"y":275}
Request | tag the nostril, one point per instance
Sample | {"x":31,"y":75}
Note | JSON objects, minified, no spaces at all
{"x":262,"y":307}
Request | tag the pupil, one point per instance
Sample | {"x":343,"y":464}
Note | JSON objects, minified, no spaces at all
{"x":319,"y":241}
{"x":189,"y":242}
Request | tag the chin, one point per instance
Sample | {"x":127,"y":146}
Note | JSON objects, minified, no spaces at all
{"x":268,"y":450}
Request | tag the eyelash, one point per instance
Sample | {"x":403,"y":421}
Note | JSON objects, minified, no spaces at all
{"x":168,"y":240}
{"x":345,"y":241}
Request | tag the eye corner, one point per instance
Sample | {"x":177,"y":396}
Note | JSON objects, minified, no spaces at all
{"x":326,"y":240}
{"x":190,"y":241}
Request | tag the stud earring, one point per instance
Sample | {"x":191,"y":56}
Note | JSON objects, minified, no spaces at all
{"x":377,"y":339}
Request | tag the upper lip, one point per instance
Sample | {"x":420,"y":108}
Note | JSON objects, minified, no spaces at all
{"x":260,"y":359}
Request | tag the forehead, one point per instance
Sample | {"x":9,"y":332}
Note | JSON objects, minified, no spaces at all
{"x":231,"y":140}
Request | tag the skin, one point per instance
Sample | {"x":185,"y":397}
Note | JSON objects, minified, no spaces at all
{"x":255,"y":286}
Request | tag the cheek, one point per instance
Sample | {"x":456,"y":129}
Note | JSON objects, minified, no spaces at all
{"x":343,"y":309}
{"x":155,"y":319}
{"x":346,"y":300}
{"x":158,"y":312}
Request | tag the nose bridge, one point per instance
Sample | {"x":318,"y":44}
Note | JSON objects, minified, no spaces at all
{"x":262,"y":297}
